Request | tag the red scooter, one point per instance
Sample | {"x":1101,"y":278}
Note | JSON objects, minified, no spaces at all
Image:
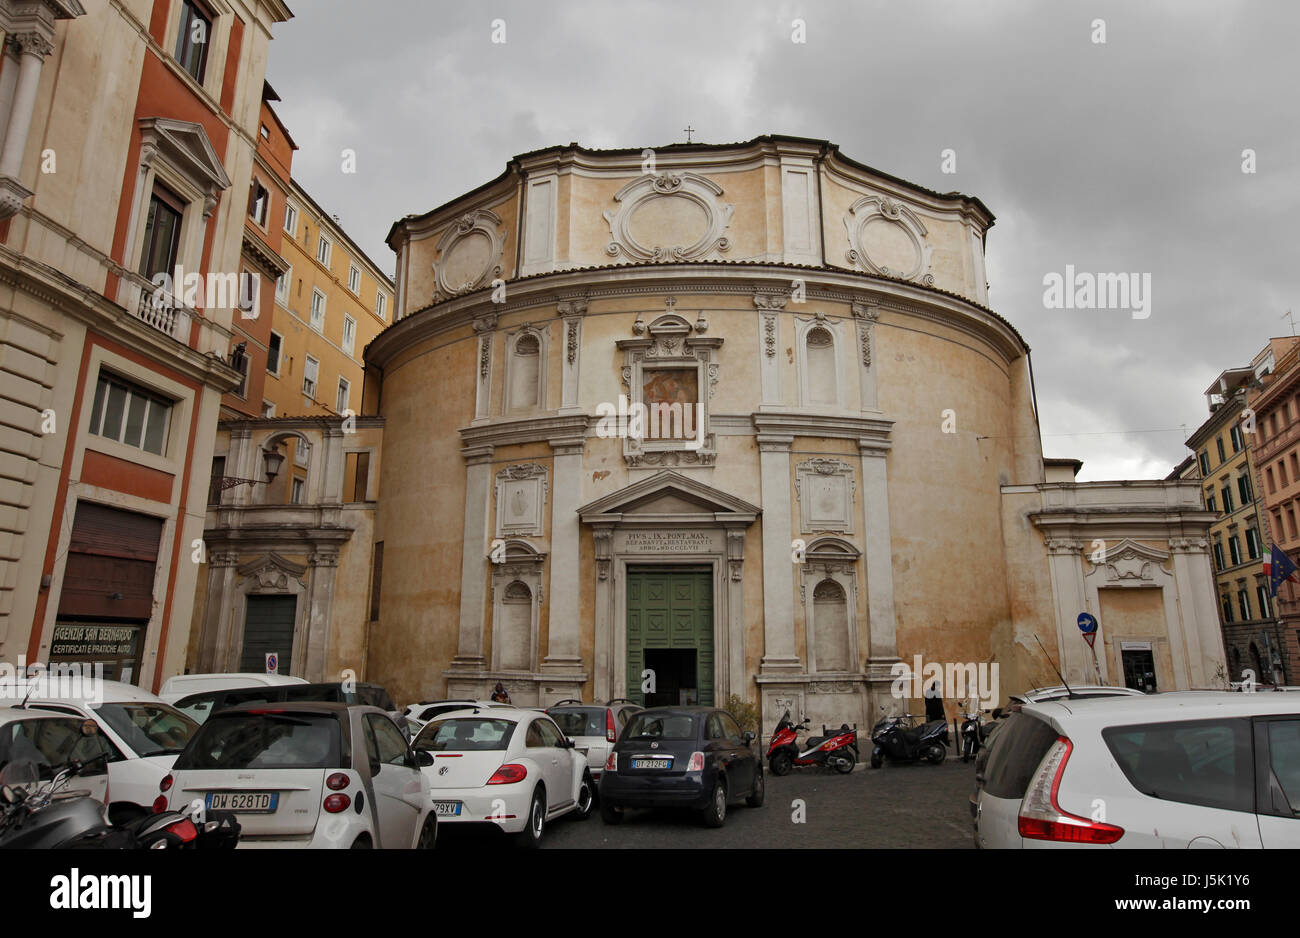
{"x":836,"y":749}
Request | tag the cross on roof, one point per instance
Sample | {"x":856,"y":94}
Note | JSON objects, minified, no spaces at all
{"x":688,"y":131}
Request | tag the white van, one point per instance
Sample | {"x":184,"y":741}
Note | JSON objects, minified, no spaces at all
{"x":182,"y":685}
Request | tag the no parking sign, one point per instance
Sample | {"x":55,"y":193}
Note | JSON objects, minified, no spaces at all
{"x":272,"y":663}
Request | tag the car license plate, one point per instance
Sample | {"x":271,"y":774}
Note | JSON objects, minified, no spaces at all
{"x":652,"y":763}
{"x":446,"y":808}
{"x":243,"y":802}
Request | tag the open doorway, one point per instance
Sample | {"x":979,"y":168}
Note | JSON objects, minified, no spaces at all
{"x":676,"y":678}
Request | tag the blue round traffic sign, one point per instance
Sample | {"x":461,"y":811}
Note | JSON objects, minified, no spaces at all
{"x":1087,"y":623}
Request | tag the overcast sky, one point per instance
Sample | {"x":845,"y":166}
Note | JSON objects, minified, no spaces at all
{"x":1117,"y":157}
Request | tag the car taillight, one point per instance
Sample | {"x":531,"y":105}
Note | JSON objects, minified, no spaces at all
{"x":337,"y":802}
{"x":160,"y":804}
{"x":611,"y":764}
{"x":1041,"y":817}
{"x":611,"y":734}
{"x":337,"y":782}
{"x":184,"y":829}
{"x":166,"y":783}
{"x":508,"y":774}
{"x":697,"y":762}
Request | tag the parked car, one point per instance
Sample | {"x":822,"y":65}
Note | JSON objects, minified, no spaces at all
{"x":144,"y":734}
{"x":1036,"y":695}
{"x":681,"y":757}
{"x":306,"y":774}
{"x":183,"y":685}
{"x":418,"y":714}
{"x":506,"y":766}
{"x":200,"y":706}
{"x":593,"y":727}
{"x":1060,"y":691}
{"x":51,"y":741}
{"x":1190,"y":769}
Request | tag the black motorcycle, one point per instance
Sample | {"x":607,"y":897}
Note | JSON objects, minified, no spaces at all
{"x":899,"y":739}
{"x":44,"y":815}
{"x":974,"y":734}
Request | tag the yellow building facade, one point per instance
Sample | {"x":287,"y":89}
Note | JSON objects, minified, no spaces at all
{"x":329,"y":305}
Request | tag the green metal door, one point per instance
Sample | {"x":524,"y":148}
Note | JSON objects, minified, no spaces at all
{"x":268,"y":627}
{"x":670,"y":609}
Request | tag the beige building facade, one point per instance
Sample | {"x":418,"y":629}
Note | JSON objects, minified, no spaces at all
{"x":847,"y":474}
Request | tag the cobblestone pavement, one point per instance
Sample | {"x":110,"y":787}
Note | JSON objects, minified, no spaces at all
{"x":914,"y":806}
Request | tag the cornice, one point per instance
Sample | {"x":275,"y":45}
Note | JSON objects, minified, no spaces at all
{"x":703,"y":277}
{"x":112,"y":321}
{"x":510,"y":432}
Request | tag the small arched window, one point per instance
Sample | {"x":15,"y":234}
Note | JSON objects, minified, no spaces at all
{"x":516,"y":627}
{"x":525,"y":372}
{"x":830,"y":627}
{"x":820,"y":359}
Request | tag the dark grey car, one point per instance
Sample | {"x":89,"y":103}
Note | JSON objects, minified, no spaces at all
{"x":681,"y":757}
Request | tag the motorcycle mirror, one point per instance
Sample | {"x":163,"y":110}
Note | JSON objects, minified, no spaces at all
{"x":89,"y":727}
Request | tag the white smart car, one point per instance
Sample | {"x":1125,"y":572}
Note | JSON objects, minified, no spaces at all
{"x":505,"y":766}
{"x":306,"y":774}
{"x":144,"y":733}
{"x":1190,"y":769}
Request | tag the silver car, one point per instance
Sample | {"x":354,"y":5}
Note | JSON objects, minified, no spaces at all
{"x":593,"y":727}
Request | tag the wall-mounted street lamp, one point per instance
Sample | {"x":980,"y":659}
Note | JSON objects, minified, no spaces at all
{"x":272,"y":460}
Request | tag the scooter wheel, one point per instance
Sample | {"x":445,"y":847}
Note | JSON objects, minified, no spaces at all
{"x":781,"y":763}
{"x":844,"y":762}
{"x":877,"y":760}
{"x":935,"y":753}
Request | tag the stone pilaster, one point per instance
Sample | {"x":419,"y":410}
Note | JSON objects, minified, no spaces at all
{"x":473,"y":592}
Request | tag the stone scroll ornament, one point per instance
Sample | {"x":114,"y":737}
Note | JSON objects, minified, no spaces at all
{"x":469,"y":253}
{"x":684,"y":203}
{"x":887,"y":238}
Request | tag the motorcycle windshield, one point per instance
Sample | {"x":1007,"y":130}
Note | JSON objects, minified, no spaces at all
{"x":18,"y":774}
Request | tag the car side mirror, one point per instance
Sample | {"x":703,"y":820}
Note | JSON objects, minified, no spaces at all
{"x":423,"y":758}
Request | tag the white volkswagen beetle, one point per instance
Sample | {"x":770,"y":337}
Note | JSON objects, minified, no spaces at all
{"x":505,"y":766}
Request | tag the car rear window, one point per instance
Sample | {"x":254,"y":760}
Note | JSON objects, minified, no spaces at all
{"x":465,"y":734}
{"x":661,"y":726}
{"x":588,"y":721}
{"x":264,"y":741}
{"x":1201,"y":762}
{"x":1022,"y":743}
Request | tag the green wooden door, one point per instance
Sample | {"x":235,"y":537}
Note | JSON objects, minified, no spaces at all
{"x":670,"y":609}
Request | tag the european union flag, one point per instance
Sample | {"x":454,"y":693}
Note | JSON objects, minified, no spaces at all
{"x":1280,"y":568}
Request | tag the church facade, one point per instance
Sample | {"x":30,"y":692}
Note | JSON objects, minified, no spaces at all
{"x":737,"y":419}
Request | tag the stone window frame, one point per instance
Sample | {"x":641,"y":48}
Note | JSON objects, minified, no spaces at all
{"x":512,"y":338}
{"x":668,"y":343}
{"x":835,"y":559}
{"x":525,"y":564}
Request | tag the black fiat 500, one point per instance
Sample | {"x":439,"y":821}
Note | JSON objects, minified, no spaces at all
{"x":681,"y":757}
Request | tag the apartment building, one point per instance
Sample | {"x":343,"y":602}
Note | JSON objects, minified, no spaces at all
{"x":129,"y":133}
{"x":330,"y":302}
{"x":1222,"y":462}
{"x":1274,"y":652}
